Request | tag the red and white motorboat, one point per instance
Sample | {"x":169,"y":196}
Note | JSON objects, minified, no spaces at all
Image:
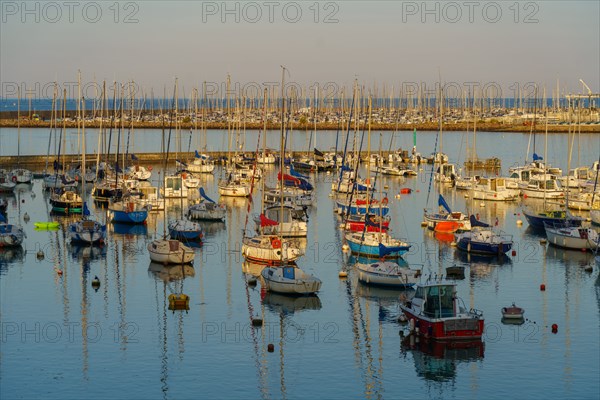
{"x":437,"y":313}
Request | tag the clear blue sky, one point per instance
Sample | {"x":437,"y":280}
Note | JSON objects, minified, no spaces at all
{"x":377,"y":42}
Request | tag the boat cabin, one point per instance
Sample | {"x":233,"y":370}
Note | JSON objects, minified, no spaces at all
{"x":435,"y":301}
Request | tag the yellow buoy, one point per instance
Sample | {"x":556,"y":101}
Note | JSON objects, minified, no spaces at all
{"x":519,"y":222}
{"x":543,"y":241}
{"x":482,"y":204}
{"x":343,"y":274}
{"x":179,"y":302}
{"x":453,"y":244}
{"x":345,"y":247}
{"x":424,"y":223}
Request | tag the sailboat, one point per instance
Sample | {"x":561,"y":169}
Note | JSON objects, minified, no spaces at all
{"x":388,"y":273}
{"x":286,"y":277}
{"x":10,"y":235}
{"x":85,"y":230}
{"x":545,"y":186}
{"x":202,"y":163}
{"x":236,"y":183}
{"x":564,"y":234}
{"x":206,"y":210}
{"x":20,"y":175}
{"x":375,"y":243}
{"x":271,"y":248}
{"x":169,"y":251}
{"x":182,"y":228}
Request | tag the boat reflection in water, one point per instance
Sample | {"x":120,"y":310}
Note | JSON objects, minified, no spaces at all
{"x":128,"y":229}
{"x":568,"y":257}
{"x":470,"y":258}
{"x":383,"y":295}
{"x":9,"y":256}
{"x":170,"y":273}
{"x":212,"y":227}
{"x":438,"y":360}
{"x":87,"y":252}
{"x":386,"y":298}
{"x":289,"y":304}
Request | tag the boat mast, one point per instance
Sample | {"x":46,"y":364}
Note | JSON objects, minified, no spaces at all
{"x":18,"y":125}
{"x":282,"y":156}
{"x":262,"y":203}
{"x":81,"y":118}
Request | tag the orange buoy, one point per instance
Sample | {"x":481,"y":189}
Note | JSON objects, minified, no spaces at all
{"x":554,"y":328}
{"x":59,"y":271}
{"x":514,"y":253}
{"x":542,"y":287}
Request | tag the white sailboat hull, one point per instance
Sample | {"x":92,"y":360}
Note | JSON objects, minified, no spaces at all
{"x":289,"y":280}
{"x":170,"y":252}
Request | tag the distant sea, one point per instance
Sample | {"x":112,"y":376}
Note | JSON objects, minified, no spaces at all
{"x":10,"y":104}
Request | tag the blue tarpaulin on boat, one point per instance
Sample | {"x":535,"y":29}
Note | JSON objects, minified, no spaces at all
{"x":133,"y":157}
{"x":204,"y":196}
{"x":295,"y":173}
{"x":442,"y":202}
{"x":536,"y":157}
{"x":86,"y":210}
{"x":475,"y":222}
{"x":196,"y":154}
{"x":384,"y":250}
{"x":2,"y":218}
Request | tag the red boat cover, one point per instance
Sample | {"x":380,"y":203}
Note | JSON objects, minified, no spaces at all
{"x":264,"y":221}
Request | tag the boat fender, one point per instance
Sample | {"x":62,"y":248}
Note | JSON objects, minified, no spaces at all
{"x":385,"y":201}
{"x":14,"y":179}
{"x":276,"y":243}
{"x":469,"y":247}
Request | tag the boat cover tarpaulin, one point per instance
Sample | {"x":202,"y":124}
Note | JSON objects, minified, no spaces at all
{"x":385,"y":250}
{"x":442,"y":202}
{"x":476,"y":222}
{"x":204,"y":196}
{"x":264,"y":221}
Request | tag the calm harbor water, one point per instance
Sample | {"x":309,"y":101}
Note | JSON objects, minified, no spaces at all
{"x":63,"y":339}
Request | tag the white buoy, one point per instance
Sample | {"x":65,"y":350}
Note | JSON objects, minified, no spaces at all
{"x":343,"y":274}
{"x":588,"y":219}
{"x":424,"y":223}
{"x":519,"y":222}
{"x":386,"y":187}
{"x":543,"y":241}
{"x":453,"y":244}
{"x":397,"y":196}
{"x":40,"y":254}
{"x":482,"y":204}
{"x":345,"y":247}
{"x":466,"y":196}
{"x":26,"y":217}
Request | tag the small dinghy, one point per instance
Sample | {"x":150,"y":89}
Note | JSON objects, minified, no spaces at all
{"x":512,"y":312}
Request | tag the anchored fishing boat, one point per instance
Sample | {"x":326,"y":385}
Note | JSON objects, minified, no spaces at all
{"x":437,"y":313}
{"x":512,"y":312}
